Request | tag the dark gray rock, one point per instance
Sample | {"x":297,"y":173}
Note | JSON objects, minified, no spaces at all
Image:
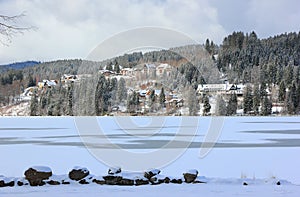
{"x":78,"y":173}
{"x":113,"y":171}
{"x":176,"y":181}
{"x":112,"y":180}
{"x":51,"y":182}
{"x":100,"y":182}
{"x":141,"y":182}
{"x":127,"y":182}
{"x":149,"y":174}
{"x":36,"y":177}
{"x":65,"y":182}
{"x":167,"y":180}
{"x":83,"y":182}
{"x":7,"y":184}
{"x":190,"y":176}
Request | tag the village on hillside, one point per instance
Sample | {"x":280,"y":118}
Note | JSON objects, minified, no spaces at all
{"x":154,"y":97}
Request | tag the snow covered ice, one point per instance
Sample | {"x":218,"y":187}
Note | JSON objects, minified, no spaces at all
{"x":258,"y":150}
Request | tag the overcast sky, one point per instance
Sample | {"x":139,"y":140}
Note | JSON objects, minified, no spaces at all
{"x":73,"y":28}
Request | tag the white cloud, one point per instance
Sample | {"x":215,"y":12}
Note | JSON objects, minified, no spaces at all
{"x":71,"y":29}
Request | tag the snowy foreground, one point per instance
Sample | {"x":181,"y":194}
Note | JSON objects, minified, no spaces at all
{"x":258,"y":150}
{"x":210,"y":189}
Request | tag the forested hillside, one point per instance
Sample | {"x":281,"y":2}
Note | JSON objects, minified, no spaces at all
{"x":246,"y":58}
{"x":268,"y":68}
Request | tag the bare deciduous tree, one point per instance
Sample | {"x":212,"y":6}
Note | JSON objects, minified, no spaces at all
{"x":9,"y":27}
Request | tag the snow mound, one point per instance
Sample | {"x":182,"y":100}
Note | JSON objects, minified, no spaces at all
{"x":41,"y":168}
{"x":114,"y":170}
{"x":193,"y":171}
{"x":82,"y":169}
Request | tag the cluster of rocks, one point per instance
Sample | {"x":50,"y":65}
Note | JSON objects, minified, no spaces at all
{"x":40,"y":175}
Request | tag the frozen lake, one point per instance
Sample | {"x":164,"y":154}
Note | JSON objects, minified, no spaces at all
{"x":261,"y":147}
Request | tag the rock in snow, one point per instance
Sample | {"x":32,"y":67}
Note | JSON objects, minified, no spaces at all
{"x":78,"y":173}
{"x":149,"y":174}
{"x":190,"y":176}
{"x":36,"y":174}
{"x":114,"y":170}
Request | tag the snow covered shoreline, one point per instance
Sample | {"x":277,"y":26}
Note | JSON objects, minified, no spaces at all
{"x":214,"y":187}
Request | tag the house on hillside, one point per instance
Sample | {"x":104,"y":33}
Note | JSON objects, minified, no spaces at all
{"x":69,"y":78}
{"x":127,"y":72}
{"x":47,"y":83}
{"x":163,"y":68}
{"x":145,"y":68}
{"x":225,"y":88}
{"x":107,"y":73}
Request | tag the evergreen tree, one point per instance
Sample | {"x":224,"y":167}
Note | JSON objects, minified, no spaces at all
{"x":162,"y":98}
{"x":193,"y":103}
{"x":220,"y":106}
{"x":282,"y":92}
{"x":109,"y":66}
{"x":50,"y":103}
{"x":297,"y":75}
{"x":266,"y":106}
{"x":122,"y":91}
{"x":256,"y":99}
{"x":100,"y":96}
{"x":133,"y":102}
{"x":70,"y":93}
{"x":298,"y":99}
{"x":31,"y":82}
{"x":248,"y":100}
{"x":263,"y":91}
{"x":117,"y":68}
{"x":292,"y":99}
{"x":232,"y":105}
{"x":43,"y":102}
{"x":206,"y":105}
{"x":207,"y":46}
{"x":288,"y":75}
{"x":107,"y":95}
{"x":34,"y":104}
{"x":113,"y":91}
{"x":152,"y":100}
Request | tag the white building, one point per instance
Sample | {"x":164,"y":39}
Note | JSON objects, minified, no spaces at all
{"x":225,"y":88}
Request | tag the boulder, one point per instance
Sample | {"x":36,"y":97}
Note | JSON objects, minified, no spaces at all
{"x":65,"y":182}
{"x":51,"y":182}
{"x":112,"y":180}
{"x":100,"y":182}
{"x":78,"y":173}
{"x":37,"y":174}
{"x":20,"y":183}
{"x":126,"y":182}
{"x":114,"y":170}
{"x":141,"y":182}
{"x":176,"y":181}
{"x":151,"y":173}
{"x":190,"y":176}
{"x":278,"y":183}
{"x":167,"y":180}
{"x":4,"y":183}
{"x":83,"y":182}
{"x":245,"y":183}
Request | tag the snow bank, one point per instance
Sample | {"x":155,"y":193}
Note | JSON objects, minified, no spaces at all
{"x":85,"y":170}
{"x":41,"y":168}
{"x":193,"y":171}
